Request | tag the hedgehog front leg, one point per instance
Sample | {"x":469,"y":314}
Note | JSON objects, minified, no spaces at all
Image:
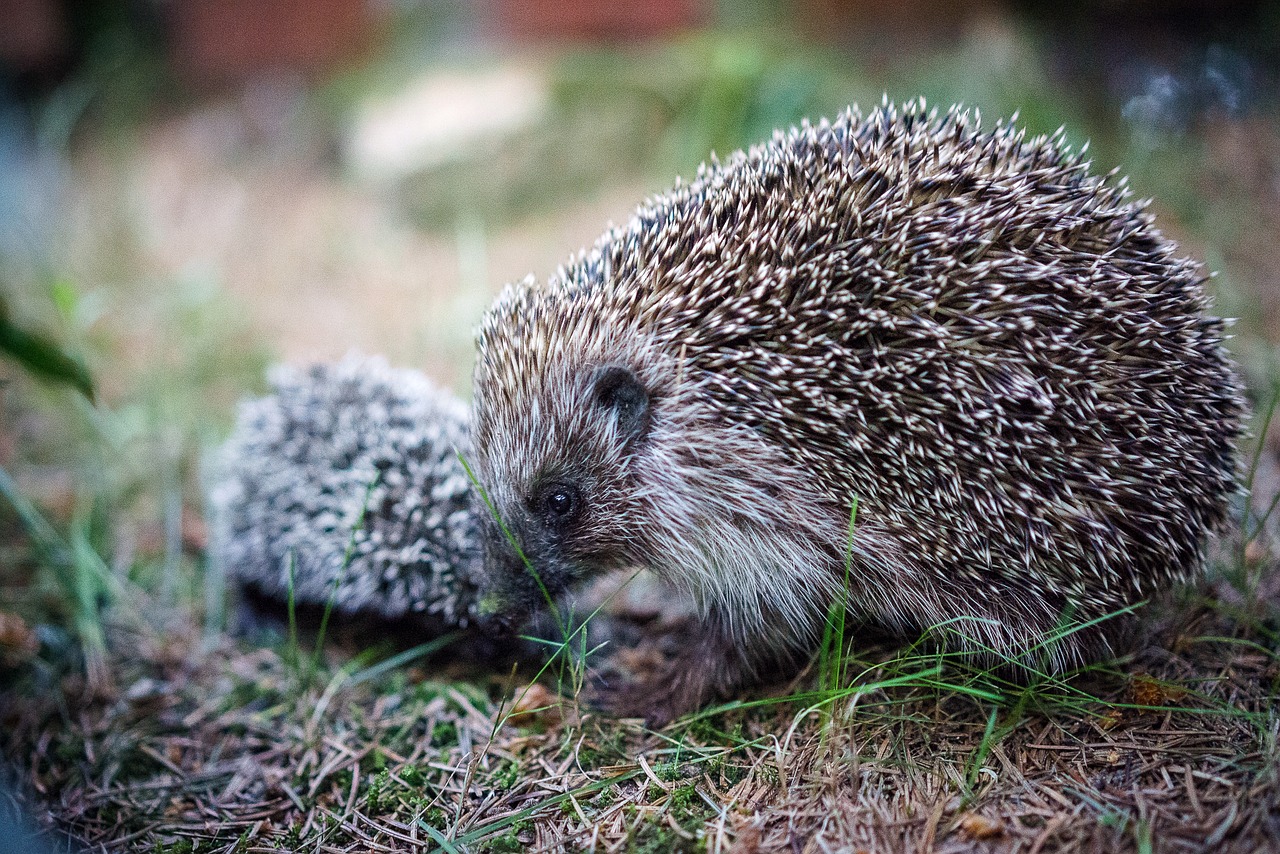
{"x":704,"y":667}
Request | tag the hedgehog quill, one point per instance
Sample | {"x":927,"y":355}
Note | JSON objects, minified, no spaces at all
{"x":346,"y":477}
{"x":995,"y":353}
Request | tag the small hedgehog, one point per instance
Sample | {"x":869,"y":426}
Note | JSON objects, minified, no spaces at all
{"x":992,"y":354}
{"x":349,"y":473}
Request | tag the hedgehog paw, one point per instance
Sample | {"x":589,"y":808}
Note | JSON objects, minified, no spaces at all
{"x":658,"y":701}
{"x":645,"y":682}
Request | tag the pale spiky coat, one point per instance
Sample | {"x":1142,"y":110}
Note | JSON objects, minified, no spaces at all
{"x":347,"y":477}
{"x":996,"y":354}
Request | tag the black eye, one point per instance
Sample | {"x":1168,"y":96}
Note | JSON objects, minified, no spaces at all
{"x":560,"y":502}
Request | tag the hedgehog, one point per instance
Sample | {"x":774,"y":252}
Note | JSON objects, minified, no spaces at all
{"x":346,"y":482}
{"x":940,"y":373}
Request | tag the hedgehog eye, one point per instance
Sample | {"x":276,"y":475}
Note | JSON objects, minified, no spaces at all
{"x":559,"y":503}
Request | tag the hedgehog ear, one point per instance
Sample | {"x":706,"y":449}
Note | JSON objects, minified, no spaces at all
{"x":618,"y":389}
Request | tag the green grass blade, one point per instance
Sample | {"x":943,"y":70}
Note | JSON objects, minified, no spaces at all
{"x":42,"y":357}
{"x":332,"y":599}
{"x":439,"y":838}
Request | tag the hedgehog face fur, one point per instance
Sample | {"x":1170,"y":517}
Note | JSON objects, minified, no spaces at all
{"x":993,"y":353}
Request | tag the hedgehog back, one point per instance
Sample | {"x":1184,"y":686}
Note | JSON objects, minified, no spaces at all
{"x":993,"y":351}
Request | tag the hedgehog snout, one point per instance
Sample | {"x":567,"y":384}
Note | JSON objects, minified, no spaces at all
{"x":522,"y":574}
{"x":500,"y":622}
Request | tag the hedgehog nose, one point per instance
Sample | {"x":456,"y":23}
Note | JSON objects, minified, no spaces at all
{"x":501,"y":624}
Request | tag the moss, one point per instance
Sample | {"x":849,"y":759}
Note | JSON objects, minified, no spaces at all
{"x":506,"y":775}
{"x":444,"y":734}
{"x":436,"y":817}
{"x":509,"y":842}
{"x":605,"y":797}
{"x":655,"y":838}
{"x":731,"y":774}
{"x":605,"y":746}
{"x":292,"y":837}
{"x":689,"y":810}
{"x":705,"y":730}
{"x":683,"y":798}
{"x":667,"y":772}
{"x":378,"y":796}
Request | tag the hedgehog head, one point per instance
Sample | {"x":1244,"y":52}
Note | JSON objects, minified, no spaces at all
{"x":561,"y":427}
{"x":598,"y":449}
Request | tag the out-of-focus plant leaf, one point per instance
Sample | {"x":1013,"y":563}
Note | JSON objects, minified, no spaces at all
{"x":85,"y":580}
{"x":41,"y":355}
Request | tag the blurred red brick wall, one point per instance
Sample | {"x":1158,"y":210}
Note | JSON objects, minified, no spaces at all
{"x":33,"y":34}
{"x":593,"y":20}
{"x":227,"y":40}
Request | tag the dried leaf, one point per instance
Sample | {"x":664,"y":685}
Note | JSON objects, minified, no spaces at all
{"x":1146,"y":691}
{"x":18,"y":642}
{"x":42,"y":356}
{"x":536,"y":704}
{"x":979,"y":826}
{"x":1110,"y":719}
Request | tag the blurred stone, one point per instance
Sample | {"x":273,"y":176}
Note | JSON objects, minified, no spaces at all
{"x":444,"y":116}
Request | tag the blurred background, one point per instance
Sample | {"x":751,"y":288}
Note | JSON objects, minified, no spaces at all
{"x":191,"y":189}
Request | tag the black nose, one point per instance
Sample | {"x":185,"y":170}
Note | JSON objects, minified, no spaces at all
{"x":503,"y":624}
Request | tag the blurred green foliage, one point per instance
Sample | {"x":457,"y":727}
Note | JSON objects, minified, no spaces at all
{"x":41,"y":355}
{"x":655,"y":111}
{"x":94,"y":496}
{"x":648,"y":112}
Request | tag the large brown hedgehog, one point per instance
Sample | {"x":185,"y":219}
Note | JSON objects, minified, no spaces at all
{"x":993,"y":353}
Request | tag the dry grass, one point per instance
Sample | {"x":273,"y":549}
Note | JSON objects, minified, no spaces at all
{"x":224,"y":747}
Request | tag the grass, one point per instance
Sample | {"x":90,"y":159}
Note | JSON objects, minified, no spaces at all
{"x":832,"y":664}
{"x":383,"y":758}
{"x":229,"y":748}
